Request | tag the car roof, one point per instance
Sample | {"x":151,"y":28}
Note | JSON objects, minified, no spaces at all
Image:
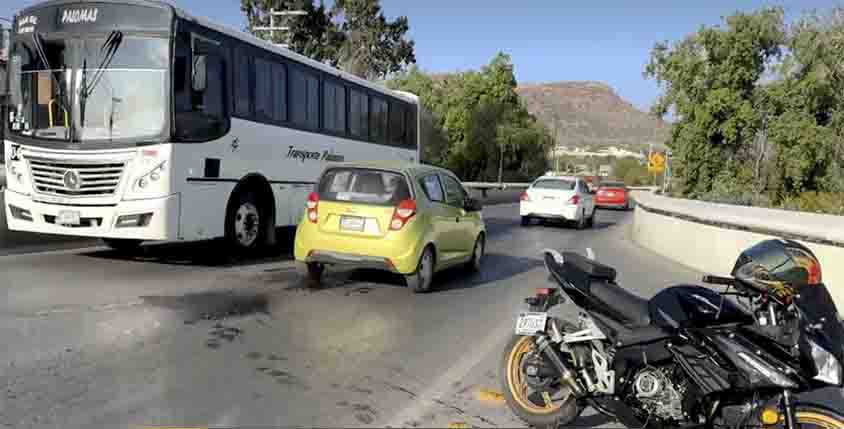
{"x":566,"y":178}
{"x":411,"y":168}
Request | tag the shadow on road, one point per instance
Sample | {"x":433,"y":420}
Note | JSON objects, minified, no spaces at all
{"x":559,"y":224}
{"x":590,"y":421}
{"x":496,"y":267}
{"x":211,"y":253}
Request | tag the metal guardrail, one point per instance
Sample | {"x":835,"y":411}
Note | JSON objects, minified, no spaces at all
{"x":486,"y":186}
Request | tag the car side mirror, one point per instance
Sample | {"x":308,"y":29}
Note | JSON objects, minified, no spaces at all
{"x":472,"y":205}
{"x":199,"y":74}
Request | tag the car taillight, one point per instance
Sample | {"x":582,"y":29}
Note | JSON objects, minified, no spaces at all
{"x":404,"y":211}
{"x":524,"y":196}
{"x":574,"y":199}
{"x":313,"y":207}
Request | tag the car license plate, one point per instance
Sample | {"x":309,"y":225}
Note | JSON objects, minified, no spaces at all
{"x":610,"y":194}
{"x":351,"y":223}
{"x":549,"y":198}
{"x":529,"y":323}
{"x":68,"y":217}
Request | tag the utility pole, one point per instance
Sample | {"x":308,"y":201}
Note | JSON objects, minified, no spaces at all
{"x":284,"y":28}
{"x":501,"y":164}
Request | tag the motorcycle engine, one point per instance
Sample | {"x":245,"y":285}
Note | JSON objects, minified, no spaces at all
{"x":658,"y":395}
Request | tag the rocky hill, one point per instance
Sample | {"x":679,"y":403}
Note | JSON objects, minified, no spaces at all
{"x":591,"y":115}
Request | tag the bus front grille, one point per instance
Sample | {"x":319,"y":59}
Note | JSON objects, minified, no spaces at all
{"x":76,"y":179}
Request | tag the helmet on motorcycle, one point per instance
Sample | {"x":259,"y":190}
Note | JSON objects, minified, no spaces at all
{"x":778,"y":265}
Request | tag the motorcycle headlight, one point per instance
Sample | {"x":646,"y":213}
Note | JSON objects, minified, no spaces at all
{"x":828,"y":367}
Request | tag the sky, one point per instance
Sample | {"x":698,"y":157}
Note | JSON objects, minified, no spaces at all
{"x":548,"y":40}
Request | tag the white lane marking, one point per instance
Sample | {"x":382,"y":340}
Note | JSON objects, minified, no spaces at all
{"x":420,"y":406}
{"x":590,"y":254}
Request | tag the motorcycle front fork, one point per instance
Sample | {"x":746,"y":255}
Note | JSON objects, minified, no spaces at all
{"x":788,"y":408}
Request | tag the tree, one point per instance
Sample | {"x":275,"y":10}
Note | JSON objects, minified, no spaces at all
{"x":313,"y":35}
{"x":353,"y":34}
{"x":710,"y":80}
{"x":475,"y":114}
{"x":374,"y":47}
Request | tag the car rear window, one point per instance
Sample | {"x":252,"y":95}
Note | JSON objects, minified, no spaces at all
{"x":362,"y":185}
{"x":563,"y":185}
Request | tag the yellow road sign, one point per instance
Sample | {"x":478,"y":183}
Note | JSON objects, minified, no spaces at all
{"x":656,"y":162}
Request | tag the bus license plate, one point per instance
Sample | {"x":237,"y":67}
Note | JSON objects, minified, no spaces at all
{"x":351,"y":223}
{"x":530,"y":323}
{"x":68,"y":217}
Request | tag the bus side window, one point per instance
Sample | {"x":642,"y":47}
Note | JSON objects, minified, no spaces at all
{"x":398,"y":125}
{"x":200,"y":114}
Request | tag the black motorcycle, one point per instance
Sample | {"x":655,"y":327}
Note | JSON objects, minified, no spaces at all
{"x":688,"y":357}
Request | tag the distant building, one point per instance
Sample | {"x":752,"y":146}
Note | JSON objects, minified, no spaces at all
{"x":611,"y":151}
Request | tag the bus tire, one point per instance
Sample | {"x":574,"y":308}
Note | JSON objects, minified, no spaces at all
{"x":122,"y":245}
{"x":246,"y":223}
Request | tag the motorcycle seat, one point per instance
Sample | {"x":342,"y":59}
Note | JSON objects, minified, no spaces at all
{"x":625,"y":304}
{"x":578,"y":270}
{"x":598,"y":281}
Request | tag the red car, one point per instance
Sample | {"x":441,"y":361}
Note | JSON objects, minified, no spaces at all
{"x":612,"y":194}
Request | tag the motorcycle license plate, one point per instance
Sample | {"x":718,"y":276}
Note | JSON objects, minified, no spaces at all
{"x":529,"y":323}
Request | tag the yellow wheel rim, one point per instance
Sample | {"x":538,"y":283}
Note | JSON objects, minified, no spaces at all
{"x":818,"y":420}
{"x":518,"y":386}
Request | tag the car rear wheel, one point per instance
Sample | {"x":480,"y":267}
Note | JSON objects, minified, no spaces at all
{"x":581,"y":222}
{"x":525,"y":220}
{"x":420,"y":281}
{"x":591,"y":222}
{"x":312,"y":271}
{"x":477,"y":254}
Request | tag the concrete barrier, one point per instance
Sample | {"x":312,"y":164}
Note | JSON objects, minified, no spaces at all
{"x":709,"y":237}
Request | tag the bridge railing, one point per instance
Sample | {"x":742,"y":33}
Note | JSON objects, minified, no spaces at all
{"x":484,"y":187}
{"x":709,"y":237}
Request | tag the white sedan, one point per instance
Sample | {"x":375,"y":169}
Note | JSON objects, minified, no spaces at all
{"x":559,"y":197}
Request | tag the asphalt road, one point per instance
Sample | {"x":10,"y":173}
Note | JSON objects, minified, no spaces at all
{"x":180,"y":336}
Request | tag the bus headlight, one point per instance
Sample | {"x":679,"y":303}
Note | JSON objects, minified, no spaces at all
{"x":151,"y":176}
{"x":15,"y":172}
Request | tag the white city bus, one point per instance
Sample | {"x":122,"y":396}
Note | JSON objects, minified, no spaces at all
{"x":131,"y":120}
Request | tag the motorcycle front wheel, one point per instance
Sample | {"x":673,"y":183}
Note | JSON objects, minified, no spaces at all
{"x":812,"y":416}
{"x":538,"y":408}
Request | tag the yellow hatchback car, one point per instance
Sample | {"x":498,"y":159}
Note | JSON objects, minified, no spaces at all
{"x":410,"y":219}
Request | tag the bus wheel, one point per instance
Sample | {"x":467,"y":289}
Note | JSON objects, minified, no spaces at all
{"x":245,"y":223}
{"x":122,"y":244}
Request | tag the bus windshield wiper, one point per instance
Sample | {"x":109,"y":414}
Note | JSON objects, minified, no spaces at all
{"x":108,"y":49}
{"x":63,"y":101}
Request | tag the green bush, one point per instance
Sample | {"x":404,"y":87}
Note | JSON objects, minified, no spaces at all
{"x":818,"y":202}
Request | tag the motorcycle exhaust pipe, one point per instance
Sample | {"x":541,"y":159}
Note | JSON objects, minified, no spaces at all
{"x":545,"y":347}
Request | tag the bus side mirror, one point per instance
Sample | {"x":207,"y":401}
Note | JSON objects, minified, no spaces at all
{"x":199,"y":74}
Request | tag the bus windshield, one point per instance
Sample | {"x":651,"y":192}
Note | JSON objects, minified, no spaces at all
{"x":103,"y":88}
